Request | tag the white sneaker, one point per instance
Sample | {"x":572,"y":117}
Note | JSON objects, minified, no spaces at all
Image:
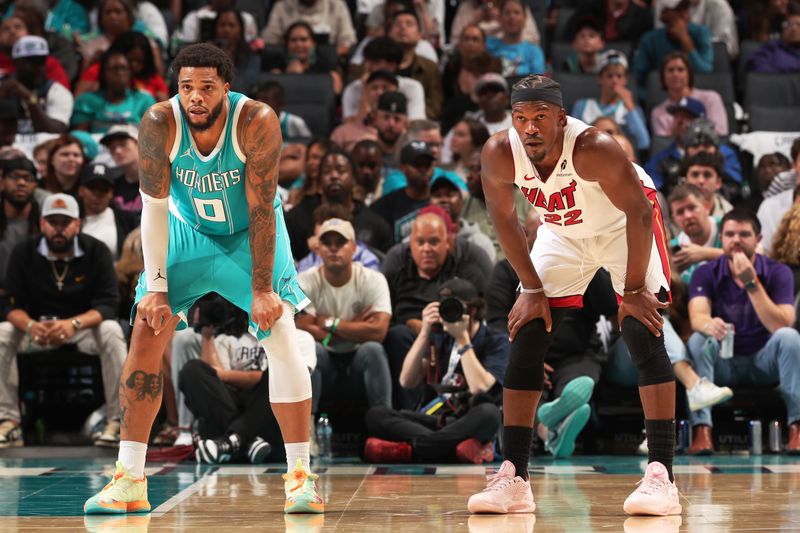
{"x":643,"y":449}
{"x":184,"y":439}
{"x":505,"y":492}
{"x":656,"y":494}
{"x":706,"y":394}
{"x":109,"y":436}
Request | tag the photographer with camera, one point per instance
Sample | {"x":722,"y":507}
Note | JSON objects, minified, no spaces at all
{"x":462,"y":363}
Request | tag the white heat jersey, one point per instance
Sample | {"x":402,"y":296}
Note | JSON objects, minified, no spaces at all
{"x":566,"y":203}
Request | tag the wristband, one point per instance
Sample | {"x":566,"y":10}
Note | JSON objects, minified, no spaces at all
{"x":464,"y":349}
{"x":640,"y":290}
{"x":523,"y":290}
{"x":31,"y":322}
{"x":327,"y":340}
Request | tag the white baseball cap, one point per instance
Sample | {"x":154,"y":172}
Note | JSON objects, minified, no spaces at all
{"x":30,"y":46}
{"x":61,"y":204}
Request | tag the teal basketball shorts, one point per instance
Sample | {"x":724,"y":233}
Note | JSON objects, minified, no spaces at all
{"x":199,"y":263}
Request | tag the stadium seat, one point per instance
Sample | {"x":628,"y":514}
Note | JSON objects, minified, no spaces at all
{"x":746,"y":49}
{"x":774,"y":119}
{"x":771,"y":90}
{"x":317,"y":116}
{"x":658,"y":143}
{"x":721,"y":82}
{"x":257,"y":8}
{"x":722,"y":60}
{"x":304,"y":88}
{"x":563,"y":18}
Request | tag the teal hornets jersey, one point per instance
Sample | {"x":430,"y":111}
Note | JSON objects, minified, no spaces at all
{"x":207,"y":192}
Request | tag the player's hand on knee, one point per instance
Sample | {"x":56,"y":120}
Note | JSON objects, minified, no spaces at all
{"x":528,"y":307}
{"x":645,"y":308}
{"x":266,"y":310}
{"x":155,"y":310}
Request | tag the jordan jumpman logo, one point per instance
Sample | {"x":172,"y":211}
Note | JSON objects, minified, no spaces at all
{"x":159,"y":276}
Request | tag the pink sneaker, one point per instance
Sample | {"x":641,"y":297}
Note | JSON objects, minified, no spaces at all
{"x":656,"y":494}
{"x":505,"y":492}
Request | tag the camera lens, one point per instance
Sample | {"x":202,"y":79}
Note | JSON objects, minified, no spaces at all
{"x":451,"y":309}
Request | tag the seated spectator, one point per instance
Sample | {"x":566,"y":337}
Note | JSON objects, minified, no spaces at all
{"x":466,"y":358}
{"x":754,"y":296}
{"x":622,"y":20}
{"x":677,"y":78}
{"x":406,"y":31}
{"x":228,"y":34}
{"x":465,"y":139}
{"x":588,"y":42}
{"x":780,"y":56}
{"x":115,"y":102}
{"x":46,"y":105}
{"x":292,"y":126}
{"x":14,"y":28}
{"x":761,"y":21}
{"x":141,"y":52}
{"x":323,"y":212}
{"x":717,"y":16}
{"x":699,"y":240}
{"x":19,"y":212}
{"x":380,"y":18}
{"x":122,"y":143}
{"x":771,"y":212}
{"x":425,"y":265}
{"x":64,"y":165}
{"x":100,"y":218}
{"x":399,"y":208}
{"x":67,"y":16}
{"x":225,"y":387}
{"x":291,"y":168}
{"x":615,"y":99}
{"x":337,"y":180}
{"x":391,"y":122}
{"x":360,"y":126}
{"x":448,"y":195}
{"x":610,"y":126}
{"x":330,"y":20}
{"x":519,"y":57}
{"x":787,"y":179}
{"x":487,"y":16}
{"x":492,"y":93}
{"x":198,"y":24}
{"x":692,"y":136}
{"x":471,"y":43}
{"x":785,"y":245}
{"x":382,"y":53}
{"x":465,"y":100}
{"x":349,"y":318}
{"x":70,"y":276}
{"x":38,"y":19}
{"x":307,"y":184}
{"x":678,"y":34}
{"x":704,"y":171}
{"x":301,"y":57}
{"x":475,"y":210}
{"x":768,"y":168}
{"x":370,"y":171}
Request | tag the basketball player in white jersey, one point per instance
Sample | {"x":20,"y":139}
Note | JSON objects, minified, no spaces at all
{"x":598,"y":210}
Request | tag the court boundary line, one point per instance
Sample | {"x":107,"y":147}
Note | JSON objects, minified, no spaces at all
{"x":347,"y":505}
{"x":180,"y":497}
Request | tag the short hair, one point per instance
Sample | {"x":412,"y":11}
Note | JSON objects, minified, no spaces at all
{"x":742,"y":215}
{"x":204,"y":55}
{"x":325,"y":212}
{"x":684,"y":190}
{"x":703,"y":159}
{"x":383,"y":48}
{"x":419,"y":125}
{"x":367,"y":144}
{"x":402,"y":12}
{"x":795,"y":151}
{"x":671,"y":57}
{"x":536,"y":81}
{"x":337,"y":150}
{"x":271,"y":85}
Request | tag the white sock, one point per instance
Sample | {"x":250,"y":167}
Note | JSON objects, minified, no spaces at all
{"x":295,"y":451}
{"x":131,"y":455}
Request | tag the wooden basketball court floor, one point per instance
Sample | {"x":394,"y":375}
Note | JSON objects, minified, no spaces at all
{"x":720,"y":494}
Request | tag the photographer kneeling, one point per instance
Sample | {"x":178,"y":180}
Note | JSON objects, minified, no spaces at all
{"x":462,"y":362}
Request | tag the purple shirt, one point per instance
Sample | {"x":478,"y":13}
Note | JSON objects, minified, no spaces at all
{"x":714,"y":281}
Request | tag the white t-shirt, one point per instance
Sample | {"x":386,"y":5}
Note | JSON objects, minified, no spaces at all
{"x":770,"y":213}
{"x":102,"y":227}
{"x":411,"y":88}
{"x":245,"y":353}
{"x":57,"y":103}
{"x":365,"y":288}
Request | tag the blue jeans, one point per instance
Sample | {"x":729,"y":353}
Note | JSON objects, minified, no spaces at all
{"x":777,"y":362}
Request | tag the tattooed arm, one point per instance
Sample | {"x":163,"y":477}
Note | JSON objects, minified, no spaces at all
{"x":261,"y":144}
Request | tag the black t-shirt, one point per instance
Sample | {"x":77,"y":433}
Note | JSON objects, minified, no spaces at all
{"x":399,"y":210}
{"x":126,"y":195}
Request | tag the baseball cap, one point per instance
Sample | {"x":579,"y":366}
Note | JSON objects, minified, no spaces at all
{"x":444,"y":179}
{"x":459,"y":288}
{"x":89,"y":145}
{"x":700,"y":131}
{"x":60,"y":204}
{"x":491,"y":79}
{"x":393,"y":102}
{"x":119,"y":131}
{"x":610,"y":57}
{"x":18,"y":163}
{"x":30,"y":46}
{"x":387,"y":75}
{"x":337,"y":225}
{"x":98,"y":172}
{"x":414,"y":150}
{"x":690,"y":105}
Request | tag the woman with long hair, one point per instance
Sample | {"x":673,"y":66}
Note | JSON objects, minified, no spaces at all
{"x":64,"y":166}
{"x":786,"y":242}
{"x":465,"y":139}
{"x":301,"y":57}
{"x":228,"y":34}
{"x":308,"y":184}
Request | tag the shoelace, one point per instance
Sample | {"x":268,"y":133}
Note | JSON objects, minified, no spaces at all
{"x":497,"y":481}
{"x":300,"y":476}
{"x":649,"y":485}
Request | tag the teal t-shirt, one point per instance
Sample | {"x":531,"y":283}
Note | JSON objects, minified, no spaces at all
{"x":102,"y":114}
{"x":395,"y":179}
{"x":209,"y":191}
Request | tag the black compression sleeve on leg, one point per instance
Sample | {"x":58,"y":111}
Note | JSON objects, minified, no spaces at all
{"x":525,"y":370}
{"x":517,"y":447}
{"x":648,"y":353}
{"x":661,"y":442}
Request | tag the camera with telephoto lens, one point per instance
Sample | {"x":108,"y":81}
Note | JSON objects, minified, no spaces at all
{"x":451,"y":309}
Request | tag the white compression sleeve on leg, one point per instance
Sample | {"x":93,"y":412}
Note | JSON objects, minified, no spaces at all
{"x":155,"y":239}
{"x":289,"y":379}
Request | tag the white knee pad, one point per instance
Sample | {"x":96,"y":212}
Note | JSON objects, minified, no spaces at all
{"x":289,"y":379}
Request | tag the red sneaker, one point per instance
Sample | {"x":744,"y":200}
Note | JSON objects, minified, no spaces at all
{"x":387,"y":451}
{"x":472,"y":451}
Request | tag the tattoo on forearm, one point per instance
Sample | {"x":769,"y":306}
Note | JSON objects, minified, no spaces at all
{"x":262,"y":144}
{"x":154,"y":166}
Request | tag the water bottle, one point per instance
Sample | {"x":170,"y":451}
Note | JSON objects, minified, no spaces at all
{"x":755,"y":437}
{"x":324,"y":434}
{"x":726,"y":346}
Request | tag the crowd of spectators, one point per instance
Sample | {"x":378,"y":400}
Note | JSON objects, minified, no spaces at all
{"x":384,"y":107}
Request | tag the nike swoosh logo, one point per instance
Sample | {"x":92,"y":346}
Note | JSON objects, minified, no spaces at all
{"x":528,"y":178}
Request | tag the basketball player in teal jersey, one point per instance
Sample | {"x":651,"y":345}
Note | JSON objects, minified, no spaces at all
{"x":211,"y":221}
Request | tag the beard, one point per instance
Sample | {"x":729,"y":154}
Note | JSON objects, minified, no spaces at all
{"x":59,"y":247}
{"x":17,"y":203}
{"x":388,"y":138}
{"x":203,"y":126}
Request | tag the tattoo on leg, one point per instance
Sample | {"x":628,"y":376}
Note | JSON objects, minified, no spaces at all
{"x":143,"y":384}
